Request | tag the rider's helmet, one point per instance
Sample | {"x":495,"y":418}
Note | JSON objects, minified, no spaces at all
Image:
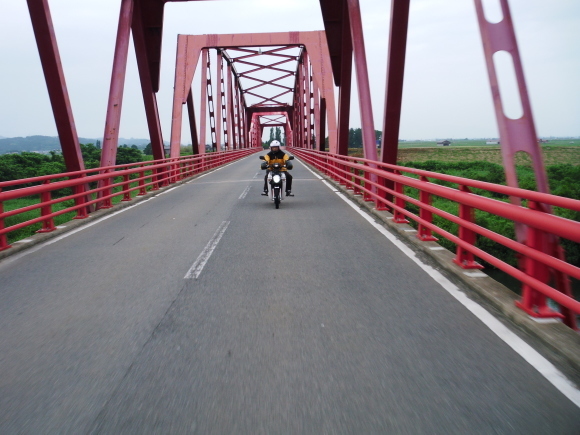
{"x":273,"y":144}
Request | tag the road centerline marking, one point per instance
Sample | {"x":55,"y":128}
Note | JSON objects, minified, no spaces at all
{"x":245,"y":192}
{"x":195,"y":270}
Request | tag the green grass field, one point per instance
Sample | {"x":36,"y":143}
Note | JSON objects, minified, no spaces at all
{"x":30,"y":230}
{"x":555,"y":152}
{"x":478,"y":143}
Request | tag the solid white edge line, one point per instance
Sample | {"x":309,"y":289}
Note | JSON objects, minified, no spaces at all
{"x":168,"y":190}
{"x":330,"y":186}
{"x":541,"y":364}
{"x":202,"y":259}
{"x":313,"y":173}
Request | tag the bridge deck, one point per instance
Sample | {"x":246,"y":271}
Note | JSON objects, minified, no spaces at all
{"x":303,"y":320}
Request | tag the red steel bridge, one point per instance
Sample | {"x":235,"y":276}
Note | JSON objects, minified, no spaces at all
{"x":302,"y":321}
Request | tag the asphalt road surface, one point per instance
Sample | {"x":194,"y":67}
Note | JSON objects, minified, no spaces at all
{"x":204,"y":310}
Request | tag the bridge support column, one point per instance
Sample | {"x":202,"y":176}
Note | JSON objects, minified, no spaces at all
{"x":394,"y":86}
{"x":149,"y":93}
{"x":345,"y":84}
{"x":203,"y":102}
{"x":113,"y":118}
{"x":192,"y":123}
{"x":362,"y":78}
{"x":55,"y":83}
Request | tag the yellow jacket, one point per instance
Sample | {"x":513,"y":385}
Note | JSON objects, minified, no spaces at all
{"x":277,"y":157}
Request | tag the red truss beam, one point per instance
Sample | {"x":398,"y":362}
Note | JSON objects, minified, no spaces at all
{"x":320,"y":78}
{"x":271,"y":82}
{"x":55,"y":82}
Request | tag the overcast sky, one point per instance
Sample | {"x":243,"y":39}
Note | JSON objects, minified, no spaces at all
{"x":446,"y":91}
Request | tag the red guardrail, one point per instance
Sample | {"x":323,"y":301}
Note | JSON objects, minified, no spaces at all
{"x":129,"y":178}
{"x":384,"y":184}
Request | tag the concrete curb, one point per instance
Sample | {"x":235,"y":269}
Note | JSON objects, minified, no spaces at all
{"x":555,"y":336}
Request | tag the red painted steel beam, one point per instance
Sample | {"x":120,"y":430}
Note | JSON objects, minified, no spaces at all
{"x":192,"y":124}
{"x":515,"y":134}
{"x":271,"y":82}
{"x":115,"y":103}
{"x":520,"y":135}
{"x":55,"y":83}
{"x":395,"y":75}
{"x":322,"y":124}
{"x":230,"y":108}
{"x":203,"y":102}
{"x":362,"y":78}
{"x":344,"y":93}
{"x":335,"y":18}
{"x":149,"y":96}
{"x":218,"y":121}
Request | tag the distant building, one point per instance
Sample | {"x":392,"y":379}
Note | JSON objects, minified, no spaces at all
{"x":543,"y":141}
{"x":492,"y":142}
{"x":443,"y":143}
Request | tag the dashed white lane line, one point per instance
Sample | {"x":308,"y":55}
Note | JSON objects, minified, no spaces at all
{"x":201,"y":261}
{"x":256,"y":176}
{"x":541,"y":364}
{"x":245,"y":192}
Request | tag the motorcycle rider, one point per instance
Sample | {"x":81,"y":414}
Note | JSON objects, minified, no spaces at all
{"x":276,"y":155}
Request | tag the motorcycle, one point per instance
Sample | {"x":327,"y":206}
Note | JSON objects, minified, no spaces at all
{"x":276,"y":180}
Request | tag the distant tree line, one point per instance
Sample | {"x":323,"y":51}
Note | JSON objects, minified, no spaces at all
{"x":28,"y":165}
{"x":355,"y":139}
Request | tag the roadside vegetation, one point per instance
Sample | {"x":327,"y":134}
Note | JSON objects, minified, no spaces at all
{"x":28,"y":165}
{"x":484,"y":163}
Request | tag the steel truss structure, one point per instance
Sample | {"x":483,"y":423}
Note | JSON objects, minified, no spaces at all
{"x":294,"y":63}
{"x":314,"y":63}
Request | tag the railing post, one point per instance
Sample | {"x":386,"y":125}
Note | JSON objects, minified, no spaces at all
{"x":357,"y":182}
{"x":424,"y":233}
{"x":399,"y":188}
{"x":381,"y":205}
{"x":48,"y":224}
{"x":126,"y":193}
{"x":366,"y":194}
{"x":533,"y":302}
{"x":107,"y":192}
{"x":142,"y":190}
{"x":342,"y":172}
{"x":80,"y":201}
{"x":156,"y":178}
{"x":464,"y":258}
{"x":166,"y":176}
{"x":3,"y":240}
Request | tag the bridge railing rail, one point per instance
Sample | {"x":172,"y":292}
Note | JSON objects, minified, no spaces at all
{"x":96,"y":188}
{"x":540,"y":263}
